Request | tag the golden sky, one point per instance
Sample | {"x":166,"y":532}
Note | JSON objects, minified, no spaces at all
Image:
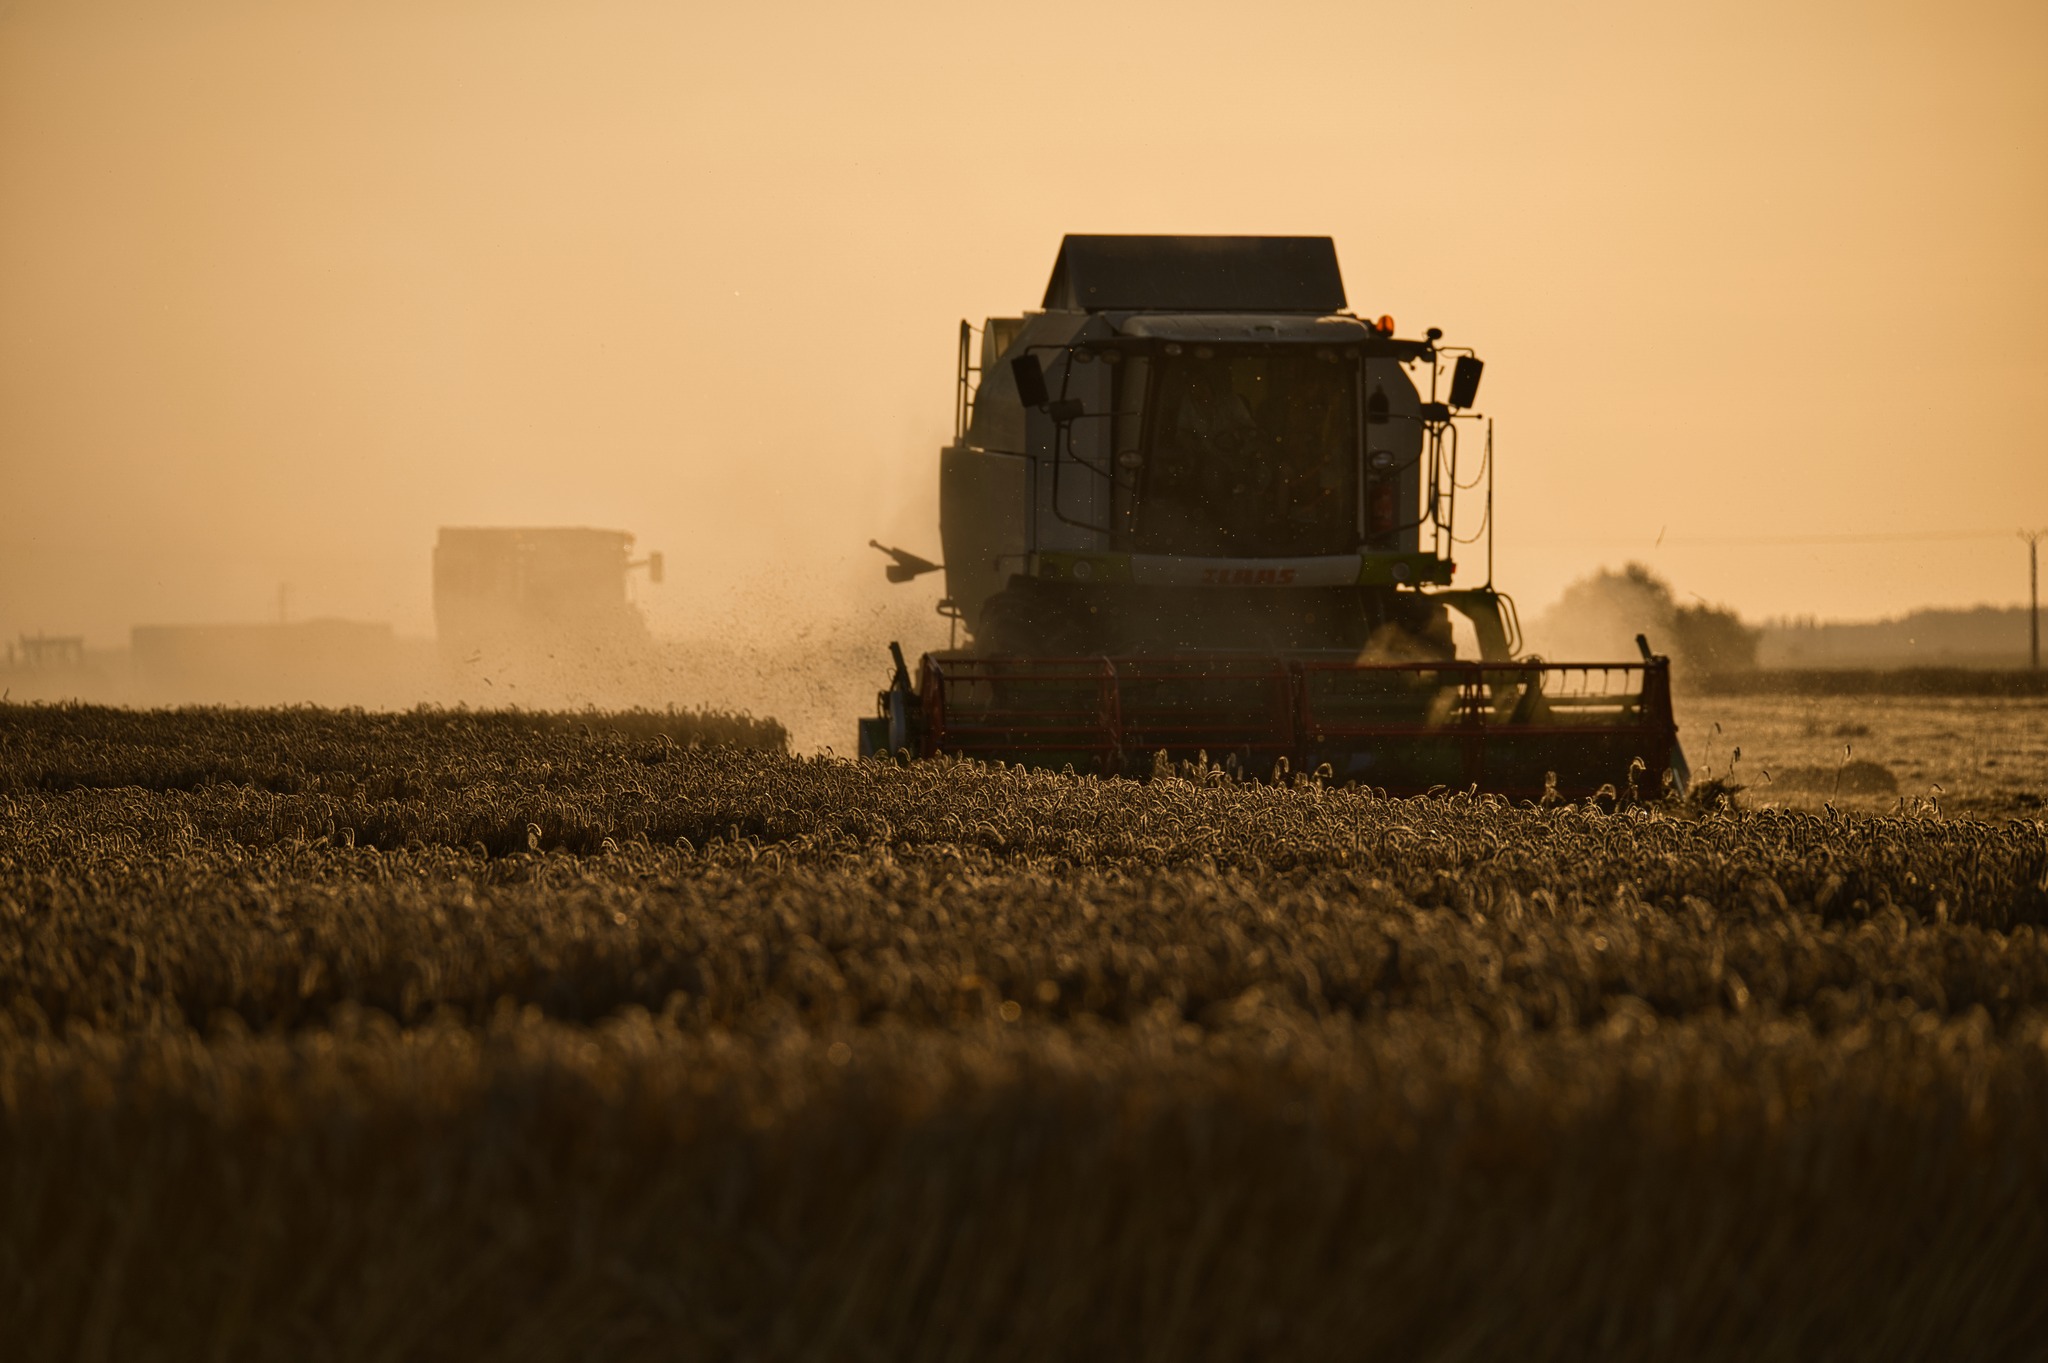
{"x":286,"y":285}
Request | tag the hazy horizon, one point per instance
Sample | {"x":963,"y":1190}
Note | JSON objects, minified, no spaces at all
{"x":285,"y":287}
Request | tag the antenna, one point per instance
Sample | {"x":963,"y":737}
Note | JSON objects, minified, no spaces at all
{"x":2033,"y":539}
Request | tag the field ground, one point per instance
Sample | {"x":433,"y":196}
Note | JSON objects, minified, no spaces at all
{"x":1982,"y":757}
{"x":460,"y":1036}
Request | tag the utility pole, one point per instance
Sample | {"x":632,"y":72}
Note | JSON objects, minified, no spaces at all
{"x":2033,"y":539}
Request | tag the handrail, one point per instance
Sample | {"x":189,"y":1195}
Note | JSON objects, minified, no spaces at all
{"x":965,"y":393}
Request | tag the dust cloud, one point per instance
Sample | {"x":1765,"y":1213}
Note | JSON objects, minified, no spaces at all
{"x":774,"y":651}
{"x":1599,"y":616}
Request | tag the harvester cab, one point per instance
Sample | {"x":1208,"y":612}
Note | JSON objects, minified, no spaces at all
{"x":1193,"y":505}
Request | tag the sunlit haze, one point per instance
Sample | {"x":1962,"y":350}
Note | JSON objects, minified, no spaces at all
{"x":286,"y":286}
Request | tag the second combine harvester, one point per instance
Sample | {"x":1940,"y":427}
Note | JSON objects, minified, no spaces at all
{"x":1193,"y":506}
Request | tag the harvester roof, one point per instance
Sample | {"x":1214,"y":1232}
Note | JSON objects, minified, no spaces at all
{"x":1196,"y":274}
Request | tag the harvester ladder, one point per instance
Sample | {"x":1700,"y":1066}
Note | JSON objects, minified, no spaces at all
{"x":965,"y":392}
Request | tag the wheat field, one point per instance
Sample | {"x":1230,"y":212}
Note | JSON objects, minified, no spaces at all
{"x":1977,"y":756}
{"x":452,"y":1036}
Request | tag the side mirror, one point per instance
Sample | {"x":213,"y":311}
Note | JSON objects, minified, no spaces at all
{"x":654,"y":567}
{"x":1030,"y":376}
{"x":1465,"y":381}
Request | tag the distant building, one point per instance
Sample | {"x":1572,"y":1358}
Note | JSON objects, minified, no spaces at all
{"x":318,"y":661}
{"x":49,"y":650}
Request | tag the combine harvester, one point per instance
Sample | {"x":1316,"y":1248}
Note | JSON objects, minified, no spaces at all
{"x":1195,"y":507}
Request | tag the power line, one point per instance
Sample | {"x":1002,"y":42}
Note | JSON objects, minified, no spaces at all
{"x":1896,"y":537}
{"x":1708,"y":541}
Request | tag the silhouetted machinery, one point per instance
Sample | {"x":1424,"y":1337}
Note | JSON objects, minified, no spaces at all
{"x":498,"y":587}
{"x":1195,"y":506}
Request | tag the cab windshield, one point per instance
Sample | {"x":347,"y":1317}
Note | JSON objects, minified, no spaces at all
{"x":1250,"y":455}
